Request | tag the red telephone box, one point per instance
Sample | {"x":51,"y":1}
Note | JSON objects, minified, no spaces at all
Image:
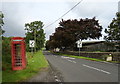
{"x":18,"y":52}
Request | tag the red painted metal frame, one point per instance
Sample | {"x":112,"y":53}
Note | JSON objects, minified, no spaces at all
{"x":21,"y":42}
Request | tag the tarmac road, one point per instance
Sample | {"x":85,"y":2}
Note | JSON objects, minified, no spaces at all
{"x":81,"y":70}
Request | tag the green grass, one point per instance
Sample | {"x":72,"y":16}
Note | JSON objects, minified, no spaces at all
{"x":87,"y":58}
{"x":34,"y":65}
{"x":87,"y":51}
{"x":81,"y":57}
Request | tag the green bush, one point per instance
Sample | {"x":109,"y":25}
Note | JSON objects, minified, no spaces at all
{"x":6,"y":52}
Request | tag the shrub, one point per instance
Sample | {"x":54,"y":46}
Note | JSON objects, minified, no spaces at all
{"x":6,"y":52}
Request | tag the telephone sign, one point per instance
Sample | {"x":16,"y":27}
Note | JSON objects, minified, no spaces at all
{"x":79,"y":44}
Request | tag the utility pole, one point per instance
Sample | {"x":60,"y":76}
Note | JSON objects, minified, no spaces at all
{"x":119,"y":6}
{"x":118,"y":26}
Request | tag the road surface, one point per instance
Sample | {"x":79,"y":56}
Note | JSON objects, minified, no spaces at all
{"x":81,"y":70}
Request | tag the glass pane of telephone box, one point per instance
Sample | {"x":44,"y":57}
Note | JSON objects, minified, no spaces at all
{"x":18,"y":59}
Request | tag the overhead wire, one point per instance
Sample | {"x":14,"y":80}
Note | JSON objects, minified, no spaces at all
{"x":63,"y":14}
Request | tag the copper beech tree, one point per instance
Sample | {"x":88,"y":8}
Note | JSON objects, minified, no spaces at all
{"x":70,"y":31}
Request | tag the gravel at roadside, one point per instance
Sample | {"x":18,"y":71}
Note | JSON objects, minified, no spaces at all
{"x":49,"y":74}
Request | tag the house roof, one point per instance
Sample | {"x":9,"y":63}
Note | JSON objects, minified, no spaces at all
{"x":92,"y":42}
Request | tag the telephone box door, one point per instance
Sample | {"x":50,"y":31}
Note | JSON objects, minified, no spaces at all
{"x":18,"y":53}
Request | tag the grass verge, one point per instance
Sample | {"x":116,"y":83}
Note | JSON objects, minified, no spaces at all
{"x":34,"y":65}
{"x":87,"y":58}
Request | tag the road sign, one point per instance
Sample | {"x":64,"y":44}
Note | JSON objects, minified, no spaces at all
{"x":31,"y":43}
{"x":79,"y":44}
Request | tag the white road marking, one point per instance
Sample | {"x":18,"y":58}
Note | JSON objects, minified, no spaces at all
{"x":55,"y":56}
{"x":71,"y":61}
{"x":67,"y":57}
{"x":71,"y":58}
{"x":107,"y":62}
{"x":64,"y":57}
{"x":56,"y":80}
{"x":97,"y":69}
{"x":110,"y":63}
{"x":74,"y":62}
{"x":55,"y":76}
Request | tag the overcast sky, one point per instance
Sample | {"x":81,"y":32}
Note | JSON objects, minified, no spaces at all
{"x":19,"y":12}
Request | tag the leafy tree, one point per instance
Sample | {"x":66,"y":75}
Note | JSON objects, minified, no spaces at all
{"x":113,"y":31}
{"x":35,"y":32}
{"x":71,"y":31}
{"x":83,"y":29}
{"x":1,"y":23}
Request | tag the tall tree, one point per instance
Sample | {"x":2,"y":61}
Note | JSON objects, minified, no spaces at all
{"x":113,"y":31}
{"x":83,"y":29}
{"x":71,"y":31}
{"x":1,"y":23}
{"x":35,"y":32}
